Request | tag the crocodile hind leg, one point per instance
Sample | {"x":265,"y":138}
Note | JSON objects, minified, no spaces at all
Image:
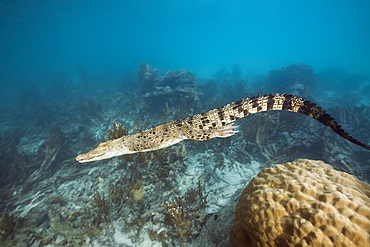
{"x":224,"y":131}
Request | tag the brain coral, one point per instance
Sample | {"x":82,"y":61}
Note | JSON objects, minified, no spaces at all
{"x":303,"y":203}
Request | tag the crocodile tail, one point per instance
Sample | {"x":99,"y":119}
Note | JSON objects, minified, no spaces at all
{"x":312,"y":110}
{"x":196,"y":127}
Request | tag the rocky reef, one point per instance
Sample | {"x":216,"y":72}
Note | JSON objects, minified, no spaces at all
{"x":303,"y":203}
{"x":174,"y":92}
{"x":297,"y":79}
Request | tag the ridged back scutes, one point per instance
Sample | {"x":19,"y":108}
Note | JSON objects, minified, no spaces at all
{"x":234,"y":111}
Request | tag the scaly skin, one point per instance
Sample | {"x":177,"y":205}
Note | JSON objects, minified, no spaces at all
{"x":214,"y":123}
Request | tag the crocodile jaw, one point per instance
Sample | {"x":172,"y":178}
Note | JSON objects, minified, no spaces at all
{"x":105,"y":150}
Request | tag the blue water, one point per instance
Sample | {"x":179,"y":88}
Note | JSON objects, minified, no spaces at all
{"x":42,"y":40}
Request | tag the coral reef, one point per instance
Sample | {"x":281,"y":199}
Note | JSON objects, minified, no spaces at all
{"x":92,"y":110}
{"x":347,"y":86}
{"x":263,"y":125}
{"x":303,"y":203}
{"x":147,"y":76}
{"x":185,"y":214}
{"x":68,"y":233}
{"x":100,"y":206}
{"x":116,"y":131}
{"x":297,"y":78}
{"x":50,"y":152}
{"x":134,"y":191}
{"x":180,"y":220}
{"x":131,"y":191}
{"x":175,"y":88}
{"x":353,"y":118}
{"x":7,"y":225}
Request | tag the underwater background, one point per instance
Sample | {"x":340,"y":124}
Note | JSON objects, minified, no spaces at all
{"x":74,"y":74}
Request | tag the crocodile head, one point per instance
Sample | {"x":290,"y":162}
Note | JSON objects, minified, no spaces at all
{"x":105,"y":150}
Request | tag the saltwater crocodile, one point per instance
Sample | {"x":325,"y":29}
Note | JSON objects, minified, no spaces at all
{"x":215,"y":123}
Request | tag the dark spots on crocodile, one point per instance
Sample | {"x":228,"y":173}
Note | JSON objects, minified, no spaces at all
{"x":221,"y":115}
{"x":205,"y":121}
{"x":179,"y":125}
{"x":136,"y":147}
{"x":308,"y":110}
{"x":214,"y":124}
{"x":246,"y":112}
{"x":259,"y":108}
{"x":223,"y":123}
{"x":287,"y":105}
{"x":270,"y":102}
{"x":232,"y":118}
{"x":305,"y":111}
{"x":255,"y":103}
{"x":237,"y":104}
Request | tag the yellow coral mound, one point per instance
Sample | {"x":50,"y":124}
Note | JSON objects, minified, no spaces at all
{"x":303,"y":203}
